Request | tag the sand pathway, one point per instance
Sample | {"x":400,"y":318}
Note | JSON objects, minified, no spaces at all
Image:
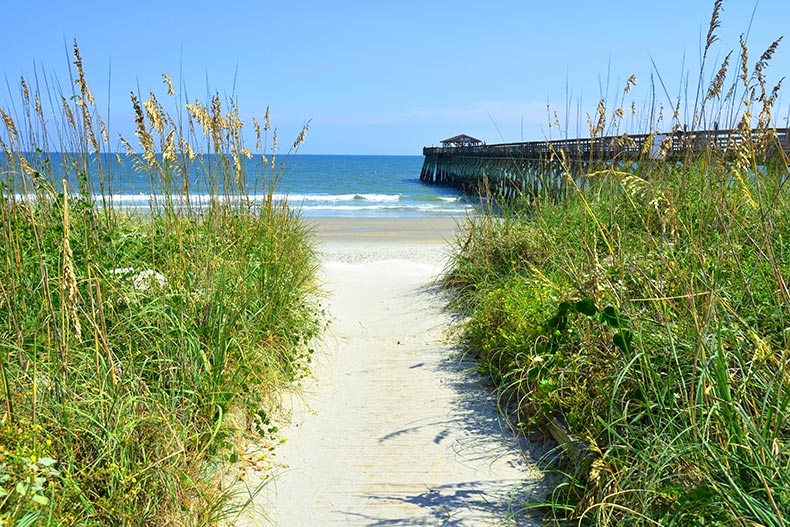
{"x":395,"y":430}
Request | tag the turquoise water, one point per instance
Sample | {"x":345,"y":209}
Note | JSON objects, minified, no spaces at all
{"x":318,"y":185}
{"x":366,"y":186}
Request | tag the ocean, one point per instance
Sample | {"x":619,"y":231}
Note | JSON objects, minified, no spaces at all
{"x":369,"y":186}
{"x":316,"y":185}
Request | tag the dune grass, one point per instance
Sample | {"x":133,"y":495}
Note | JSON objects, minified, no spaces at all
{"x":649,"y":314}
{"x":139,"y":352}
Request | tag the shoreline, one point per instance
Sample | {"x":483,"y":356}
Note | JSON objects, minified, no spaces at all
{"x":430,"y":240}
{"x":403,"y":229}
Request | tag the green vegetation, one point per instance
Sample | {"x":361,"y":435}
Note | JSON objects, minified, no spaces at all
{"x":649,"y":313}
{"x":139,"y":352}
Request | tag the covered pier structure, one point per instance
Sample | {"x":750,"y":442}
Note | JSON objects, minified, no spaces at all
{"x":532,"y":168}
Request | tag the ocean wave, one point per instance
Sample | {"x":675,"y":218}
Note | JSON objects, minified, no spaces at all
{"x":296,"y":198}
{"x":441,"y":199}
{"x":309,"y":204}
{"x":363,"y":208}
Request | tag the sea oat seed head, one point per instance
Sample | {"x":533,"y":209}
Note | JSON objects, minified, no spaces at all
{"x":169,"y":83}
{"x":25,"y":92}
{"x":154,"y":112}
{"x":302,"y":135}
{"x":257,"y":127}
{"x":83,"y":85}
{"x":744,"y":61}
{"x":718,"y":80}
{"x":713,"y":26}
{"x":68,"y":112}
{"x":69,"y":278}
{"x":10,"y":126}
{"x":630,"y":83}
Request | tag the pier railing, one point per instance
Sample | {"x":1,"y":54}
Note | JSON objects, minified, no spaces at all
{"x":536,"y":166}
{"x":622,"y":146}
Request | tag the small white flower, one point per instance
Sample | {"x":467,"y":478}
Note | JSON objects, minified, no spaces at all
{"x":145,"y":280}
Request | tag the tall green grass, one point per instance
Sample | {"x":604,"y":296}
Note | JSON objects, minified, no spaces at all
{"x":139,"y":352}
{"x":649,"y":314}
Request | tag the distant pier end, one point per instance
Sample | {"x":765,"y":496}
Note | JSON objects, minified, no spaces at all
{"x":530,"y":168}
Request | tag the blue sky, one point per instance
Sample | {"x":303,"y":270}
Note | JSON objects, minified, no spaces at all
{"x":387,"y":77}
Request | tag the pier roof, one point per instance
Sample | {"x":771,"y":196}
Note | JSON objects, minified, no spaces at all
{"x":461,"y":140}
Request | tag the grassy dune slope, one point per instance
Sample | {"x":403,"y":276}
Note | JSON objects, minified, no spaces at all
{"x":650,"y":314}
{"x":139,"y":352}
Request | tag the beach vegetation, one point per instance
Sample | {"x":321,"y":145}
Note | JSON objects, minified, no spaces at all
{"x":645,"y":317}
{"x":141,"y":351}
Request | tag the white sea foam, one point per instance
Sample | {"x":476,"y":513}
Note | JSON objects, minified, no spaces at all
{"x":296,"y":198}
{"x":363,"y":208}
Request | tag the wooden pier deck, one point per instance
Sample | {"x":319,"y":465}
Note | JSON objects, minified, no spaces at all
{"x":530,"y":168}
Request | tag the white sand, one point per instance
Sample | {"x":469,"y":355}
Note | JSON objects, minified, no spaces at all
{"x":394,"y":429}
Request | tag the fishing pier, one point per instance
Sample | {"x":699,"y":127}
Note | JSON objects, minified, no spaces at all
{"x":531,"y":168}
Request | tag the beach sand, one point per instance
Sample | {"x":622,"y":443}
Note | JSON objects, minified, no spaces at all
{"x":394,"y":428}
{"x":411,"y":240}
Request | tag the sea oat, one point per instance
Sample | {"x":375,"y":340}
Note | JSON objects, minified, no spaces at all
{"x":155,"y":112}
{"x":302,"y":135}
{"x":70,"y":291}
{"x":647,"y":146}
{"x":765,"y":58}
{"x":26,"y":168}
{"x":187,"y":148}
{"x":10,"y":126}
{"x":768,"y":102}
{"x":167,"y":81}
{"x":103,"y":129}
{"x":665,"y":147}
{"x":744,"y":61}
{"x":169,"y":152}
{"x":83,"y":85}
{"x":146,"y":141}
{"x":257,"y":127}
{"x":718,"y":80}
{"x":274,"y":146}
{"x":219,"y":122}
{"x":200,"y":113}
{"x":630,"y":83}
{"x":69,"y":115}
{"x":712,"y":27}
{"x":601,"y":122}
{"x":127,"y":146}
{"x":25,"y":92}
